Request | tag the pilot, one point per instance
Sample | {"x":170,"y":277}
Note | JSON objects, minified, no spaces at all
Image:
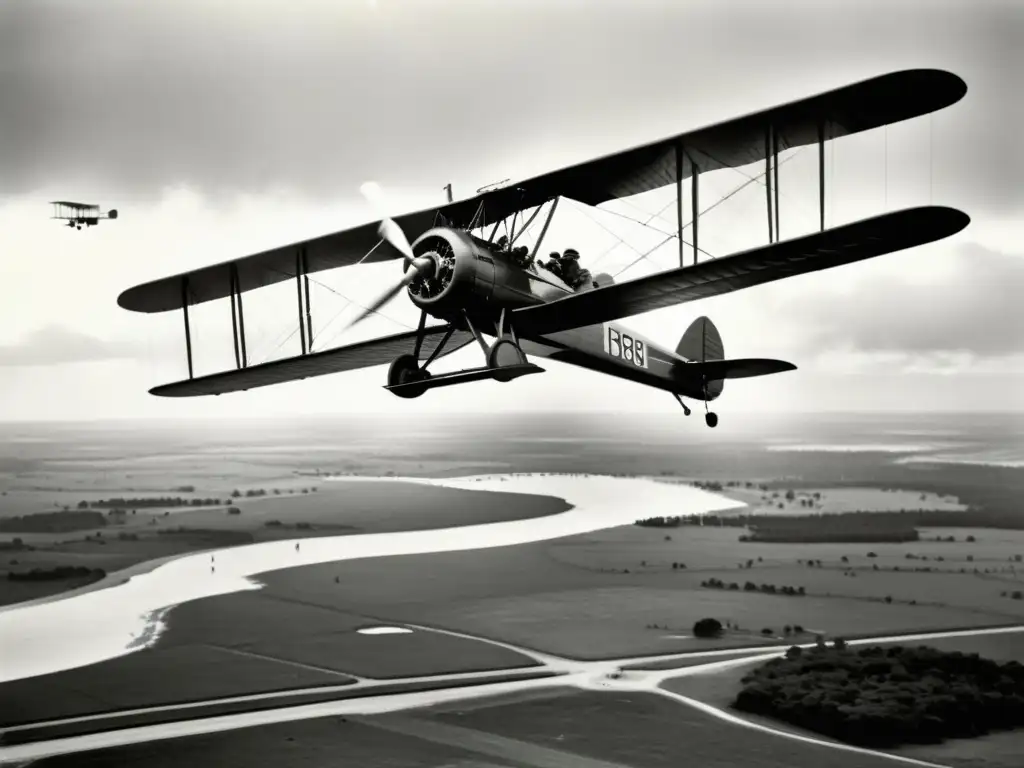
{"x":554,"y":264}
{"x":571,"y":273}
{"x":521,"y":256}
{"x":502,"y":243}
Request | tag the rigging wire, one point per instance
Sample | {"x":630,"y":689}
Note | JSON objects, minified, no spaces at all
{"x":349,"y":302}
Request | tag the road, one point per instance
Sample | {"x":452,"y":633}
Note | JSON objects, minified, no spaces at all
{"x":587,"y":675}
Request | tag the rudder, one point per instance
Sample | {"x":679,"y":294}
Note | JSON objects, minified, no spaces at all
{"x":703,"y":343}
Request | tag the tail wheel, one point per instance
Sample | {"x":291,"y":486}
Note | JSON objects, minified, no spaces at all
{"x":505,"y":352}
{"x":404,"y":370}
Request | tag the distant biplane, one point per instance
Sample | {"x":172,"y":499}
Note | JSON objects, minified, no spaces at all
{"x":77,"y":214}
{"x":481,"y":287}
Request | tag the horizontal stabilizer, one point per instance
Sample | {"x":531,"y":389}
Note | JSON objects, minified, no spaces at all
{"x":362,"y":354}
{"x":744,"y":368}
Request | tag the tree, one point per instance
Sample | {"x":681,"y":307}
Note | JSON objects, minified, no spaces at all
{"x":707,"y":628}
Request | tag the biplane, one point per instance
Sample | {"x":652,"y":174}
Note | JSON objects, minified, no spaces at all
{"x":77,"y":214}
{"x":517,"y":308}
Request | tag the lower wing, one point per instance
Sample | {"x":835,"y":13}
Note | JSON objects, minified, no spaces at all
{"x":821,"y":250}
{"x":362,"y":354}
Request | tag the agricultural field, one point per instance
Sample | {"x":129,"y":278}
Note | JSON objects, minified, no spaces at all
{"x":299,"y":744}
{"x":614,"y":593}
{"x":324,"y":638}
{"x":642,"y":730}
{"x":997,"y":750}
{"x":837,"y":500}
{"x":150,"y":678}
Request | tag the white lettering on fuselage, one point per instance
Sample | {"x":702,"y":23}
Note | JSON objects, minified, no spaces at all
{"x":620,"y":344}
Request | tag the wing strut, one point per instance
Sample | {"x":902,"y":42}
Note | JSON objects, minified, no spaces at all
{"x":298,"y":290}
{"x":775,"y":171}
{"x":821,"y":171}
{"x":695,"y":212}
{"x":768,"y":179}
{"x":188,"y":330}
{"x":679,"y":200}
{"x":544,"y":229}
{"x":238,"y":319}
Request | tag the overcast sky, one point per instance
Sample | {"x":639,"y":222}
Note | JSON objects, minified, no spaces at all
{"x":220,"y":129}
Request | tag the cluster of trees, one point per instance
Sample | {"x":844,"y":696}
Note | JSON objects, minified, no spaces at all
{"x":884,"y":697}
{"x":768,"y":589}
{"x":254,"y":493}
{"x":716,"y":485}
{"x":149,"y":503}
{"x":660,"y":522}
{"x":862,"y":527}
{"x":710,"y":628}
{"x":52,"y":522}
{"x":279,"y":524}
{"x":60,"y":572}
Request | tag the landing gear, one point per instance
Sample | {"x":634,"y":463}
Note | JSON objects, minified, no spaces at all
{"x":405,"y":369}
{"x":710,"y":417}
{"x":504,"y":353}
{"x":505,"y":361}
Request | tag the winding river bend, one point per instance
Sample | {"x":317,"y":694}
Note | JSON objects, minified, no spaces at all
{"x":61,"y":633}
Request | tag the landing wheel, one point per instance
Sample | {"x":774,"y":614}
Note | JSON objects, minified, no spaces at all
{"x":405,"y":369}
{"x":505,"y":352}
{"x":711,"y":418}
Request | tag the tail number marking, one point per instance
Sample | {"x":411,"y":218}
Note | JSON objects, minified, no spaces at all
{"x":625,"y":347}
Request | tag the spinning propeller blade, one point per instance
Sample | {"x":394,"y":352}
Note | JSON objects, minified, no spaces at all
{"x":390,"y":231}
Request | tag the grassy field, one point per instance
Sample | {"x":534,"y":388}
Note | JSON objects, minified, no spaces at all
{"x":574,"y":596}
{"x":320,"y":743}
{"x":999,"y":750}
{"x":639,"y":729}
{"x":151,"y":678}
{"x":300,"y":632}
{"x":836,"y":500}
{"x":283,"y":700}
{"x":336,"y":508}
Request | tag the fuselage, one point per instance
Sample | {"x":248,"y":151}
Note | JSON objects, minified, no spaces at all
{"x":475,"y":281}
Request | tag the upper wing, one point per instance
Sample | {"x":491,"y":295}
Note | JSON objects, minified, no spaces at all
{"x":338,"y":249}
{"x":362,"y":354}
{"x":854,"y":108}
{"x":862,"y":106}
{"x":810,"y":253}
{"x":76,"y":206}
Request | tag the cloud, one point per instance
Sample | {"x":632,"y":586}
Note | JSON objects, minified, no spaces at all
{"x":940,"y":320}
{"x":318,"y":96}
{"x":56,"y":344}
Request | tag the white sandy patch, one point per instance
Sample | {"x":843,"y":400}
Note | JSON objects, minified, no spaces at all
{"x":384,"y":631}
{"x":69,"y":632}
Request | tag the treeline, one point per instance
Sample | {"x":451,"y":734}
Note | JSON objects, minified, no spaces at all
{"x":210,"y":536}
{"x":55,"y":574}
{"x":149,"y":503}
{"x":885,"y":697}
{"x":768,"y":589}
{"x":856,"y":526}
{"x":52,"y":522}
{"x":832,"y":528}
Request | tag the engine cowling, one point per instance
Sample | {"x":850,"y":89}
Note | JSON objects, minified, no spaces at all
{"x":468,"y":275}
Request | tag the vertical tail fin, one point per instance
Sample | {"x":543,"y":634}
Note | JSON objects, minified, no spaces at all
{"x":702,"y":343}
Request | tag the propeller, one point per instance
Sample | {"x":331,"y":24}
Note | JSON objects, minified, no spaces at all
{"x":393,"y":234}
